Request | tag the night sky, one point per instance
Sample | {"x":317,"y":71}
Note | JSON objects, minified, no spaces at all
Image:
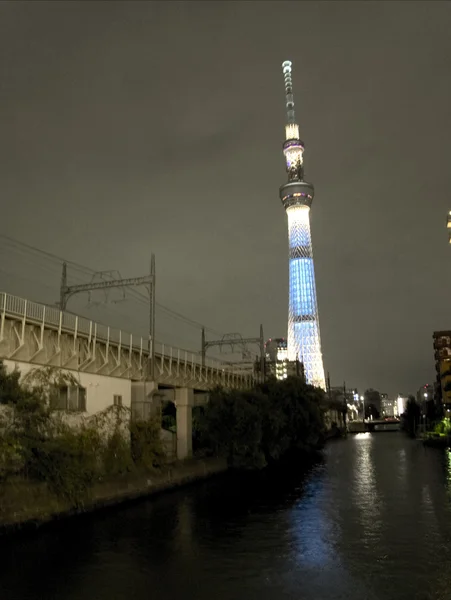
{"x":127,"y":128}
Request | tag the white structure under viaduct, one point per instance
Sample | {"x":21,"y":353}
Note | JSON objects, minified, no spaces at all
{"x":110,"y":365}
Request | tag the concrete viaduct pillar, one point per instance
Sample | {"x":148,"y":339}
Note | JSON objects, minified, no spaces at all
{"x":184,"y":400}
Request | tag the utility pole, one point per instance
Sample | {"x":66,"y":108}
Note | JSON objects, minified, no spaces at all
{"x":329,"y":391}
{"x":152,"y":310}
{"x":63,"y":287}
{"x":203,"y":347}
{"x":67,"y":292}
{"x":345,"y":404}
{"x":233,"y":340}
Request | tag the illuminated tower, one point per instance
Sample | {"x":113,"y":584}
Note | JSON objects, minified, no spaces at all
{"x":297,"y":195}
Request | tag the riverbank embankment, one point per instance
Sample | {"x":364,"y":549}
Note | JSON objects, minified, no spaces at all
{"x":27,"y":504}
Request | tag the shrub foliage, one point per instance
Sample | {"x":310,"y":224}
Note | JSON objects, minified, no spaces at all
{"x":258,"y":427}
{"x":69,"y":455}
{"x":251,"y":428}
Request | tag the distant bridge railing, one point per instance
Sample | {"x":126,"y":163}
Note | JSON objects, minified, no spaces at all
{"x":64,"y":322}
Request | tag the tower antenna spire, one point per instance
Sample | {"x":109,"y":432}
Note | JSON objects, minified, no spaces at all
{"x":289,"y":98}
{"x":291,"y":127}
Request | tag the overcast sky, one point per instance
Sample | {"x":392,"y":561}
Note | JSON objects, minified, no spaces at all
{"x":130,"y":128}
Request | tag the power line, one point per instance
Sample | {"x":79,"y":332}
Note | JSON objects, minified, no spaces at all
{"x":134,"y":294}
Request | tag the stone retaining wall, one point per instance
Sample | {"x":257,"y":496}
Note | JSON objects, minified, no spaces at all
{"x":24,"y":503}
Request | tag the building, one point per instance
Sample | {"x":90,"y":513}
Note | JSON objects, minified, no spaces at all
{"x":348,"y":399}
{"x":442,"y":355}
{"x":303,"y":342}
{"x":388,"y":406}
{"x":276,"y":359}
{"x":276,"y":349}
{"x":400,"y":405}
{"x":373,"y":403}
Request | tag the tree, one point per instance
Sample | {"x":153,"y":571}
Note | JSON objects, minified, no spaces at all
{"x":10,"y":389}
{"x":39,"y":443}
{"x":373,"y":404}
{"x":431,"y":411}
{"x":412,"y":416}
{"x":256,"y":427}
{"x":232,"y":426}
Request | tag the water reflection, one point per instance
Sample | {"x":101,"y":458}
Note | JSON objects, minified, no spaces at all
{"x":366,"y":498}
{"x":370,"y":521}
{"x":311,"y":528}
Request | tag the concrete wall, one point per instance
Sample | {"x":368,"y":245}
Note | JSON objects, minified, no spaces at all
{"x":25,"y":502}
{"x":169,"y":440}
{"x":146,"y":398}
{"x":100,"y":389}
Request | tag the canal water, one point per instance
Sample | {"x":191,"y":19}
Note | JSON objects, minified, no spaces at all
{"x":371,"y":520}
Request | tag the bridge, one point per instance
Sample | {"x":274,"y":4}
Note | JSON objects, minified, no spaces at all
{"x":374,"y":426}
{"x":111,"y":365}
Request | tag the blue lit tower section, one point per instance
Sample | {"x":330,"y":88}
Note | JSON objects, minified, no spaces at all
{"x":297,"y":195}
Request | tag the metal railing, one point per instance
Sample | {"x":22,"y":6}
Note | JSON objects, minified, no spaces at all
{"x":50,"y":317}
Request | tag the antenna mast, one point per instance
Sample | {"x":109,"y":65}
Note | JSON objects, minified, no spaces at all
{"x":289,"y":98}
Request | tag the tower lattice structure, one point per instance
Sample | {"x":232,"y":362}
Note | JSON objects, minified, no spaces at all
{"x":304,"y":342}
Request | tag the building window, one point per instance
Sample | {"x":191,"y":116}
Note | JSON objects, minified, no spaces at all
{"x":71,"y":398}
{"x":117,"y":400}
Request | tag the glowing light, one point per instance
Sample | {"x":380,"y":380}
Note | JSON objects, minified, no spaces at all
{"x":292,"y":131}
{"x":286,"y":65}
{"x":294,"y":156}
{"x":282,"y":354}
{"x":304,"y":341}
{"x":303,"y":329}
{"x":400,"y":403}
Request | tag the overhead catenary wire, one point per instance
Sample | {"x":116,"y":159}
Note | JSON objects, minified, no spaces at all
{"x":29,"y":251}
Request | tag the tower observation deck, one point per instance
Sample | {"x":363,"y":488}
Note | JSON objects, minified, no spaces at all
{"x":304,"y":341}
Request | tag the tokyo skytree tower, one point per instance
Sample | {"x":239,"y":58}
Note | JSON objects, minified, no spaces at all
{"x":304,"y":341}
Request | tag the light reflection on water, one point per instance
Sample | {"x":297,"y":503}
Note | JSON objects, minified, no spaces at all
{"x":371,"y":521}
{"x":366,"y":499}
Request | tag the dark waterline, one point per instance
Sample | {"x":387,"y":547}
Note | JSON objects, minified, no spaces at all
{"x":371,"y":520}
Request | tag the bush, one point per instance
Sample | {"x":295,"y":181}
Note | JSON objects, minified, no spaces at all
{"x":443,"y":427}
{"x":116,"y":455}
{"x":10,"y":389}
{"x":146,"y":445}
{"x":113,"y":427}
{"x":39,"y":444}
{"x":68,"y":463}
{"x":254,"y":428}
{"x":10,"y":457}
